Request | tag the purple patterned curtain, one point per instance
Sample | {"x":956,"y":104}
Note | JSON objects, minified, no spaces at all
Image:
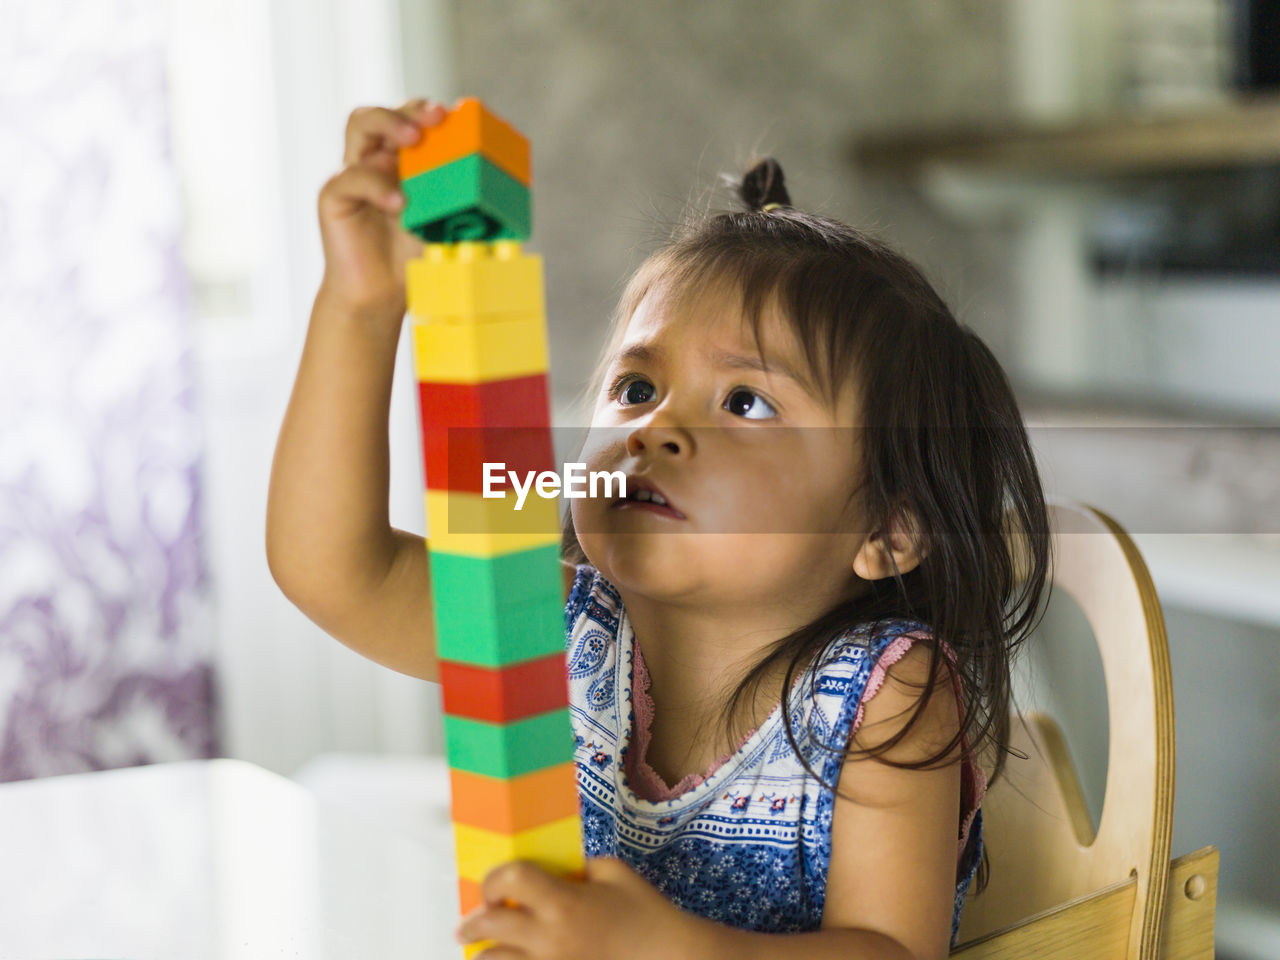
{"x":104,"y":603}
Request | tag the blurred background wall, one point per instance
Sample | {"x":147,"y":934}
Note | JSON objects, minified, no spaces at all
{"x":635,"y":109}
{"x":138,"y":621}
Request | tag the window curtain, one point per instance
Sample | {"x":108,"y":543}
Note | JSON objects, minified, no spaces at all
{"x":105,"y":614}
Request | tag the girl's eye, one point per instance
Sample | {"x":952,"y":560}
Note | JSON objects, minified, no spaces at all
{"x":741,"y":401}
{"x":622,"y":389}
{"x":734,"y":408}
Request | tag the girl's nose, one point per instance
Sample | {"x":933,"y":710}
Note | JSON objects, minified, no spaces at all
{"x":659,"y":437}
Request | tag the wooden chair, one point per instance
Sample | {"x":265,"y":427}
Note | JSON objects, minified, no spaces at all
{"x":1056,"y":889}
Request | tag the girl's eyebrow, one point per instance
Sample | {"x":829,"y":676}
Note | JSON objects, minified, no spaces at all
{"x":642,"y":352}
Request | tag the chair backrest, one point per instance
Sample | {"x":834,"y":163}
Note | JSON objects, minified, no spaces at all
{"x":1040,"y":840}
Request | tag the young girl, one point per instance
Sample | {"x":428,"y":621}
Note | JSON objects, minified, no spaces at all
{"x":787,"y":653}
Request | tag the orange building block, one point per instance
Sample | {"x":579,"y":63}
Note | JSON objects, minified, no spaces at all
{"x":470,"y":895}
{"x":514,"y":805}
{"x":469,"y":128}
{"x":504,"y":694}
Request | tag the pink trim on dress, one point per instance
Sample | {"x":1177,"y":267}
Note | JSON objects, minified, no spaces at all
{"x":894,"y":652}
{"x":642,"y":778}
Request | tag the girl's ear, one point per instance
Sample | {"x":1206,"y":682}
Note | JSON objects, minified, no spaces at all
{"x":872,"y":561}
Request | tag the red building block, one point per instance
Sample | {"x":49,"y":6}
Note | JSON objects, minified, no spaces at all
{"x":465,"y":425}
{"x":506,"y":694}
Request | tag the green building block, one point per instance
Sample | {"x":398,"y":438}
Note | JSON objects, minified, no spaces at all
{"x":515,"y":579}
{"x":498,"y":635}
{"x":467,"y":200}
{"x":506,"y":750}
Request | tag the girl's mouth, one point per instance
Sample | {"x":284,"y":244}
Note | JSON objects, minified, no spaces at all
{"x":650,"y":507}
{"x":643,"y":503}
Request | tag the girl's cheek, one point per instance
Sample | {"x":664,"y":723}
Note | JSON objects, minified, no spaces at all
{"x":578,"y":513}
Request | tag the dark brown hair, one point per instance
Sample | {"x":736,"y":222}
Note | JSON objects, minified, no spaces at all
{"x":944,"y":445}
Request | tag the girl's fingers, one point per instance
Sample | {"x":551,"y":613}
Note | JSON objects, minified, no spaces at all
{"x":504,"y":925}
{"x":357,"y":185}
{"x":375,"y":128}
{"x":371,"y":129}
{"x":422,"y":111}
{"x":523,"y":883}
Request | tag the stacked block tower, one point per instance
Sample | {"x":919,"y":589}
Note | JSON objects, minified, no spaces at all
{"x":480,"y":352}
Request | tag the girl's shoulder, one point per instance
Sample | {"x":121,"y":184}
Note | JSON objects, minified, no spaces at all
{"x":853,"y":665}
{"x":867,"y":644}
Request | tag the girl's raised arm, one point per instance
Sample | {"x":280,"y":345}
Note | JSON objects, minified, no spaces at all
{"x":330,"y":545}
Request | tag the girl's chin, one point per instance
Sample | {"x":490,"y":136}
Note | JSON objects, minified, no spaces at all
{"x":643,"y":566}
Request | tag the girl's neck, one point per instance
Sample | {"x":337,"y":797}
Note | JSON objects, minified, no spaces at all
{"x":698,"y":651}
{"x":696,"y":657}
{"x":686,"y":733}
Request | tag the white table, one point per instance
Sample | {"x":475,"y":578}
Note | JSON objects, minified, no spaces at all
{"x":216,"y":859}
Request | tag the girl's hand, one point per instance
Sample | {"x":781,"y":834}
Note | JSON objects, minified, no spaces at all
{"x":614,"y":913}
{"x":365,"y":248}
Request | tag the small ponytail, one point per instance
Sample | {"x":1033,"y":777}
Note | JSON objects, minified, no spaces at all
{"x":763,"y":187}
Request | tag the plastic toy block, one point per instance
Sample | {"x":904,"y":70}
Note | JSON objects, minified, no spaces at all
{"x":468,"y":523}
{"x":453,"y":458}
{"x":508,"y":749}
{"x":474,"y":282}
{"x":520,"y":803}
{"x":504,"y":580}
{"x":497,"y":636}
{"x":515,"y":402}
{"x":469,"y":128}
{"x":505,"y":694}
{"x":470,"y":894}
{"x":468,"y":199}
{"x":479,"y":352}
{"x":465,"y":425}
{"x":556,"y":847}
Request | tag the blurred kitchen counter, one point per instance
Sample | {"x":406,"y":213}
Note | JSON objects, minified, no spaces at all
{"x":216,"y":859}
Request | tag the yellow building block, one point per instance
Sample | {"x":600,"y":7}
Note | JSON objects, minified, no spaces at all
{"x":467,"y":523}
{"x":556,"y":847}
{"x":446,"y":352}
{"x":475,"y":282}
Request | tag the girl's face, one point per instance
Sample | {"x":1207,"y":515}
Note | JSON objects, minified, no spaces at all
{"x":757,"y":470}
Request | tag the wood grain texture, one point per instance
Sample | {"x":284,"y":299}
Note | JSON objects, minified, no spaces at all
{"x":1190,"y":905}
{"x":1096,"y":927}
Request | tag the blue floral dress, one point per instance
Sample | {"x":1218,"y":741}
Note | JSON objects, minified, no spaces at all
{"x":749,"y":844}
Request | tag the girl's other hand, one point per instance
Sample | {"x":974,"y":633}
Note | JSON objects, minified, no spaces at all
{"x":365,"y":248}
{"x":614,"y":913}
